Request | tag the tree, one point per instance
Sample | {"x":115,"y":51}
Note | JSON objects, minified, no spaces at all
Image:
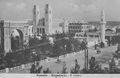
{"x":84,"y":45}
{"x":33,"y":41}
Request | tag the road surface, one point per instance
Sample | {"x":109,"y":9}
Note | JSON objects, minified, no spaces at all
{"x":57,"y":67}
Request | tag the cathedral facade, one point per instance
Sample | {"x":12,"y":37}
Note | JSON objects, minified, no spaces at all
{"x":42,"y":25}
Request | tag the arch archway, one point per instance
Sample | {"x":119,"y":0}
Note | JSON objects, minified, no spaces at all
{"x":16,"y":39}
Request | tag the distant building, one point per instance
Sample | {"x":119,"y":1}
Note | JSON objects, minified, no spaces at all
{"x":78,"y":27}
{"x":64,"y":26}
{"x":42,"y":25}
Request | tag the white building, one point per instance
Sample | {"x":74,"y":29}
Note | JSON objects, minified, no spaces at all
{"x":78,"y":28}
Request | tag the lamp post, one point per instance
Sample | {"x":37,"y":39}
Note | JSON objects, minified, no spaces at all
{"x":86,"y":58}
{"x":86,"y":55}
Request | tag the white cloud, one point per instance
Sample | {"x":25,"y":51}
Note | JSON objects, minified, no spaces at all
{"x":90,"y":7}
{"x":20,"y":6}
{"x":14,"y":6}
{"x":74,"y":6}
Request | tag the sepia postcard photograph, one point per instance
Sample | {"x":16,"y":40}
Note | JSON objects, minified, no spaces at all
{"x":60,"y":38}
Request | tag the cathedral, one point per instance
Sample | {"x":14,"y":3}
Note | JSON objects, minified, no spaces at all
{"x":42,"y":25}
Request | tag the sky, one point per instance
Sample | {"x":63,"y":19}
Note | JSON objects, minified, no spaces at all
{"x":88,"y":10}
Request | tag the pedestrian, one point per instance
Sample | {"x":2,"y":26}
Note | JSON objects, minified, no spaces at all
{"x":102,"y":45}
{"x":45,"y":71}
{"x":64,"y":68}
{"x":77,"y":66}
{"x":98,"y":50}
{"x":33,"y":69}
{"x":72,"y":71}
{"x":112,"y":65}
{"x":95,"y":46}
{"x":106,"y":70}
{"x":92,"y":64}
{"x":48,"y":70}
{"x":98,"y":68}
{"x":38,"y":68}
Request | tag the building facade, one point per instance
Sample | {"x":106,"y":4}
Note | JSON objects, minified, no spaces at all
{"x":42,"y":25}
{"x":78,"y":28}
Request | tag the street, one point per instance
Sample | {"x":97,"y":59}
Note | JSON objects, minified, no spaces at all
{"x":57,"y":67}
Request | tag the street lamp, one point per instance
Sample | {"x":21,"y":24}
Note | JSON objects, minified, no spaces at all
{"x":86,"y":58}
{"x":86,"y":54}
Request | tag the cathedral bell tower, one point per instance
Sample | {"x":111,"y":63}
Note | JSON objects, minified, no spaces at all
{"x":36,"y":17}
{"x":48,"y":19}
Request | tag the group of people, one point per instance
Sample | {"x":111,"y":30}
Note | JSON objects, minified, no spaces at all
{"x":98,"y":46}
{"x":36,"y":68}
{"x":76,"y":69}
{"x":94,"y":66}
